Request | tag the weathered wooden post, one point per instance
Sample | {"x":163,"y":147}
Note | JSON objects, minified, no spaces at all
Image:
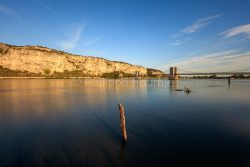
{"x":229,"y":80}
{"x":123,"y":122}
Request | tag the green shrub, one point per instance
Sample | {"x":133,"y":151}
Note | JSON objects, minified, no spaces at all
{"x":111,"y":75}
{"x":116,"y":75}
{"x":213,"y":76}
{"x":47,"y":71}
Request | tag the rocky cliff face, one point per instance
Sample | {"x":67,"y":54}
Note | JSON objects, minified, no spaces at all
{"x":37,"y":59}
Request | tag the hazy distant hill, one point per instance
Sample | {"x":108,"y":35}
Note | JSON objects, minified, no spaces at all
{"x":37,"y":59}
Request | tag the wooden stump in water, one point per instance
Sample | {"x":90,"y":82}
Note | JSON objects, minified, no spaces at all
{"x":123,"y":122}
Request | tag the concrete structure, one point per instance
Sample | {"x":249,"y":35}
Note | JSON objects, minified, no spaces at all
{"x":173,"y":73}
{"x":137,"y":73}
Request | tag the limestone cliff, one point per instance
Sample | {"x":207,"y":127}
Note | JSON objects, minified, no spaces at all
{"x":37,"y":59}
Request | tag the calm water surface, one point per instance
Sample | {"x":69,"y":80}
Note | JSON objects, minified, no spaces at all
{"x":76,"y":123}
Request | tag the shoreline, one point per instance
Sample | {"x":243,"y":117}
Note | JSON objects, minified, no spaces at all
{"x":47,"y":78}
{"x":123,"y":78}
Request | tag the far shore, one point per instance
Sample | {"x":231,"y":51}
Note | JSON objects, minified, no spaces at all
{"x":46,"y":78}
{"x":131,"y":78}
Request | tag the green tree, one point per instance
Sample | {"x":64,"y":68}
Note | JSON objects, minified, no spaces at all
{"x":111,"y":75}
{"x":47,"y":71}
{"x":214,"y":76}
{"x":240,"y":76}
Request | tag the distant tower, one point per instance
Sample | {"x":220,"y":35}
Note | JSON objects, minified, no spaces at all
{"x":137,"y":73}
{"x":173,"y":73}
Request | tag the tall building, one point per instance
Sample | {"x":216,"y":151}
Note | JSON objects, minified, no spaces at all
{"x":173,"y":73}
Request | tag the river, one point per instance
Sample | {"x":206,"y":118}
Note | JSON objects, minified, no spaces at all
{"x":75,"y":122}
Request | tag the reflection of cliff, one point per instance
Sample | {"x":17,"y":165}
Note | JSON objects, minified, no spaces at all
{"x":22,"y":99}
{"x":34,"y":99}
{"x":129,"y":90}
{"x":102,"y":91}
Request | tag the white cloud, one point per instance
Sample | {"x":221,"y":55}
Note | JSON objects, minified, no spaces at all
{"x":230,"y":60}
{"x":242,"y":29}
{"x":180,"y":41}
{"x":175,"y":43}
{"x":45,"y":6}
{"x":10,"y":12}
{"x":73,"y":40}
{"x":184,"y":34}
{"x":198,"y":24}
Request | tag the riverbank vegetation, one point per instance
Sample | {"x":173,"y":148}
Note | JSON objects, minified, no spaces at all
{"x":214,"y":76}
{"x":116,"y":75}
{"x":5,"y":72}
{"x":151,"y":74}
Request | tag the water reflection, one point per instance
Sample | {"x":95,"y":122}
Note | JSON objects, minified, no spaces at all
{"x":122,"y":152}
{"x":173,"y":84}
{"x":76,"y":123}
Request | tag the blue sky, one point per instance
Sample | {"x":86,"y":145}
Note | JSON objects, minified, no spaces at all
{"x":194,"y":35}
